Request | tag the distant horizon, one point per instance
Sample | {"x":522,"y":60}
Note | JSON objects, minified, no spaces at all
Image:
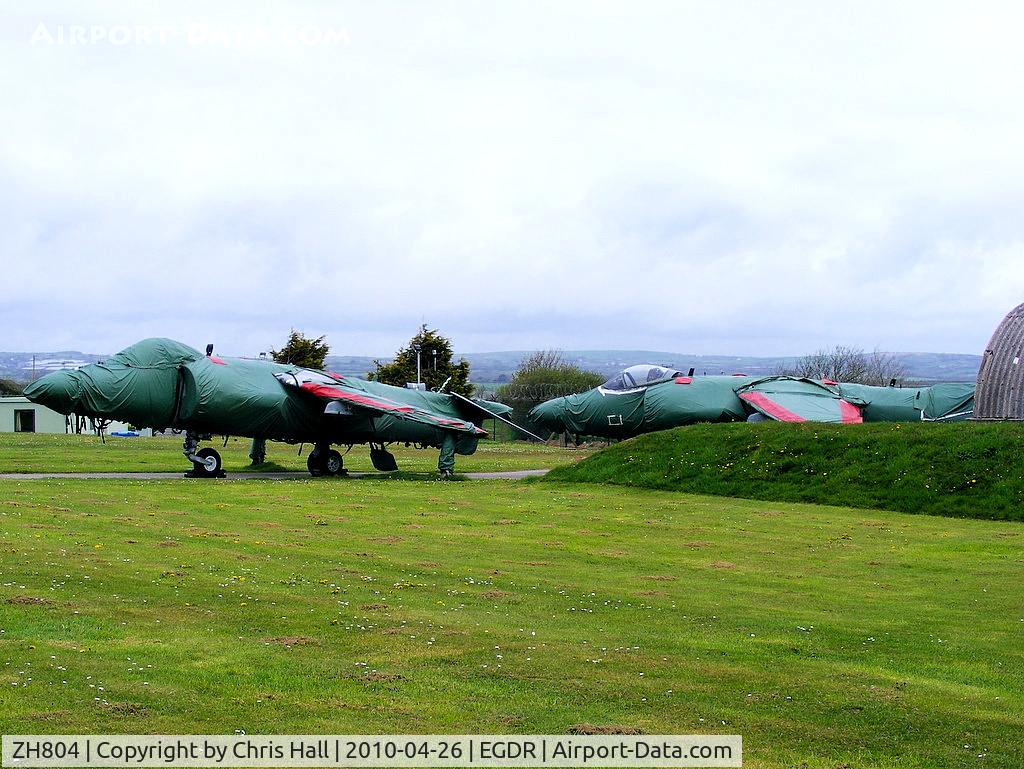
{"x":565,"y":351}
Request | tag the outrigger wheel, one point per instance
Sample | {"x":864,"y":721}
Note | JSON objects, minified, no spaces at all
{"x":325,"y":462}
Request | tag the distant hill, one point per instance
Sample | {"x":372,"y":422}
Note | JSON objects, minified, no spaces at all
{"x":924,"y":367}
{"x":20,"y":366}
{"x":497,"y":367}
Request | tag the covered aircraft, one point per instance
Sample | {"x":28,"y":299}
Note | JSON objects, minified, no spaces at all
{"x":162,"y":384}
{"x":646,"y":397}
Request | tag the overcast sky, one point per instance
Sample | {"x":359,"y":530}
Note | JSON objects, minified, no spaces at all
{"x":747,"y":178}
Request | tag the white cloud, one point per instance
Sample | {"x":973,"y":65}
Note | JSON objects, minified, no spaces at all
{"x":743,"y":177}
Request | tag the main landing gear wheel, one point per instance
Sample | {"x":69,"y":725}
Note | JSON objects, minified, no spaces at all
{"x":327,"y":462}
{"x":209,"y":464}
{"x":316,"y":465}
{"x":333,"y":463}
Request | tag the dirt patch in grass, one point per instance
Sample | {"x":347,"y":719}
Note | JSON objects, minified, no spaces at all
{"x":168,"y":543}
{"x":373,"y":606}
{"x":506,"y":522}
{"x":388,"y":540}
{"x":604,"y":729}
{"x":28,"y":600}
{"x":647,"y":593}
{"x":50,"y":715}
{"x":497,"y":594}
{"x":723,"y":565}
{"x":661,"y":577}
{"x":697,"y":544}
{"x":429,"y":565}
{"x":376,"y":676}
{"x":124,"y":709}
{"x":291,"y":640}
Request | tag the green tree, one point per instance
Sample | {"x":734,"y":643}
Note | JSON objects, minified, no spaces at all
{"x":10,"y":387}
{"x":436,"y":364}
{"x":543,"y":375}
{"x":302,"y":351}
{"x":299,"y":351}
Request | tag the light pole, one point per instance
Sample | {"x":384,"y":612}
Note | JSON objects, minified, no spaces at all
{"x":417,"y":348}
{"x":435,"y":358}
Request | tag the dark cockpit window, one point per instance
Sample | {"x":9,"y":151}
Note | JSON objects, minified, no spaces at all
{"x":617,"y":382}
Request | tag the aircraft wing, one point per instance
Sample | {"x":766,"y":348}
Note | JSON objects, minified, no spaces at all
{"x":491,"y":409}
{"x":336,"y":390}
{"x":788,"y":399}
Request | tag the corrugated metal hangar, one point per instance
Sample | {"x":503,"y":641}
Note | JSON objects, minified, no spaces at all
{"x":1000,"y":390}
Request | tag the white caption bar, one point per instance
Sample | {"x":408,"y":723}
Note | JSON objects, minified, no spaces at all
{"x":454,"y":750}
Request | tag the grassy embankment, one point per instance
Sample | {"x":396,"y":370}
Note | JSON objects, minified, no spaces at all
{"x":825,"y":636}
{"x":37,"y":453}
{"x":965,"y":469}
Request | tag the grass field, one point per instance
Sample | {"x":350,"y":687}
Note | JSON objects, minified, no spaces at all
{"x":827,"y":637}
{"x":38,"y":453}
{"x":965,"y":469}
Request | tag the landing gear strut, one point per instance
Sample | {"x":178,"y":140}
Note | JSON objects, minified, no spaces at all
{"x":205,"y":462}
{"x":323,"y":460}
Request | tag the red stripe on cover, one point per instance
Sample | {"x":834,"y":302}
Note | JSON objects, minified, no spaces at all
{"x":770,"y":407}
{"x":829,"y":381}
{"x":336,"y":393}
{"x":684,"y":379}
{"x":218,"y":361}
{"x":327,"y":391}
{"x":851,"y":414}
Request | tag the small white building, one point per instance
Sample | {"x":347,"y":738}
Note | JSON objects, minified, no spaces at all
{"x":20,"y":415}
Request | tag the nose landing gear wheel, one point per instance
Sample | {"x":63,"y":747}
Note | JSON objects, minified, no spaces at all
{"x":209,"y":465}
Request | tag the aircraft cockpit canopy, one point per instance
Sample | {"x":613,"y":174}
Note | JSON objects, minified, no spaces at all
{"x":640,"y":375}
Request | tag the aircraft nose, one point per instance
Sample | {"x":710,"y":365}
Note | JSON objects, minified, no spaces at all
{"x":58,"y":391}
{"x":547,"y":415}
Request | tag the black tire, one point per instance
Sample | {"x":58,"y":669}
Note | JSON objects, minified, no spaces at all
{"x":210,"y":466}
{"x":333,"y":463}
{"x":316,"y":465}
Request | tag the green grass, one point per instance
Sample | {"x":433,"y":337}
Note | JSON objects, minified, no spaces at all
{"x":964,"y":469}
{"x":38,"y":453}
{"x":825,"y":636}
